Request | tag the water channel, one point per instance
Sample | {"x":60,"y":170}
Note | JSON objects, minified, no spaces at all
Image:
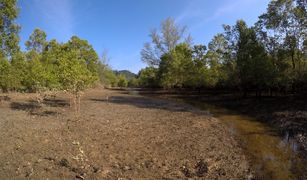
{"x":271,"y":156}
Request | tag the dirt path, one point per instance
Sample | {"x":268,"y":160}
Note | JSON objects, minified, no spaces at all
{"x":128,"y":137}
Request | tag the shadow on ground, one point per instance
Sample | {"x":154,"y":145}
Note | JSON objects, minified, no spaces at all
{"x":35,"y":108}
{"x":25,"y":106}
{"x":55,"y":102}
{"x":143,"y":102}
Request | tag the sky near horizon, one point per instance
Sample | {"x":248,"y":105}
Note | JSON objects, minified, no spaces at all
{"x":122,"y":26}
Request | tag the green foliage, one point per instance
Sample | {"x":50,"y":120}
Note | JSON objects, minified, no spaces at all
{"x":282,"y":30}
{"x":126,"y":78}
{"x":107,"y":76}
{"x":37,"y":41}
{"x":129,"y":75}
{"x":72,"y":66}
{"x":74,"y":76}
{"x":5,"y":75}
{"x":35,"y":80}
{"x":201,"y":77}
{"x":86,"y":52}
{"x":133,"y":82}
{"x":174,"y":67}
{"x":9,"y":30}
{"x":122,"y":81}
{"x":148,"y":77}
{"x":254,"y":68}
{"x":270,"y":56}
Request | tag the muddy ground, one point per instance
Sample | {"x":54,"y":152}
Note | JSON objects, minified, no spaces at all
{"x":115,"y":136}
{"x":285,"y":113}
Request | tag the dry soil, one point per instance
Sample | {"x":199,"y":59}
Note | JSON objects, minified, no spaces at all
{"x":115,"y":136}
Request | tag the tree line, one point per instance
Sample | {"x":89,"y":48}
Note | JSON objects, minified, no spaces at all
{"x":48,"y":65}
{"x":267,"y":57}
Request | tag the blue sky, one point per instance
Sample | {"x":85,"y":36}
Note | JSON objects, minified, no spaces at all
{"x":122,"y":26}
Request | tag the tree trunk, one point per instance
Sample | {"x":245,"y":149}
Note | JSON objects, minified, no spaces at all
{"x":293,"y":61}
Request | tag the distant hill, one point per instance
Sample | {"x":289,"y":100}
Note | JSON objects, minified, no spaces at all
{"x":129,"y":75}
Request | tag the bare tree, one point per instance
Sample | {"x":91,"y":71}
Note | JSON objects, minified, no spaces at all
{"x":163,"y":41}
{"x":105,"y":59}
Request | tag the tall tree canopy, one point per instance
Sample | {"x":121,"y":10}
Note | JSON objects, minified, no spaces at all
{"x":269,"y":56}
{"x":37,"y":41}
{"x":84,"y":51}
{"x":9,"y":30}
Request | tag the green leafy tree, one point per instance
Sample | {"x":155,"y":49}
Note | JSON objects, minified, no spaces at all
{"x":218,"y":60}
{"x":254,"y":68}
{"x":199,"y":74}
{"x":122,"y":81}
{"x":5,"y":75}
{"x":50,"y":60}
{"x":282,"y":30}
{"x":86,"y":52}
{"x":147,"y":77}
{"x":133,"y":82}
{"x":176,"y":66}
{"x":74,"y":76}
{"x":37,"y":41}
{"x":19,"y":71}
{"x":107,"y":76}
{"x":9,"y":42}
{"x":36,"y":78}
{"x":9,"y":30}
{"x":42,"y":59}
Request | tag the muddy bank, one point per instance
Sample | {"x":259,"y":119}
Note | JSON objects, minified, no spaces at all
{"x":115,"y":136}
{"x":278,"y":122}
{"x":288,"y":114}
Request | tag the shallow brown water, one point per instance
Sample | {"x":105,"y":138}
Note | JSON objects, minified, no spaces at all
{"x":271,"y":156}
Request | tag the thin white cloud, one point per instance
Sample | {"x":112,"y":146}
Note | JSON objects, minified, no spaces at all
{"x":196,"y":10}
{"x":58,"y":14}
{"x":190,"y":11}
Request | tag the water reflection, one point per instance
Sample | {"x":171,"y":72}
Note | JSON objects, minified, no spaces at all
{"x":290,"y":142}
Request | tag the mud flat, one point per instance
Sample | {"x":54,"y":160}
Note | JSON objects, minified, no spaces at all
{"x":267,"y":129}
{"x":116,"y":135}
